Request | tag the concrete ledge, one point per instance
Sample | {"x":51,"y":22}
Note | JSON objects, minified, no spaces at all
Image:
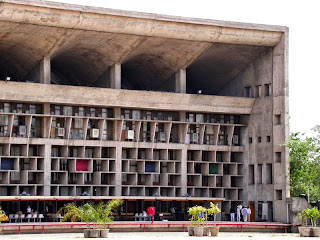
{"x":60,"y":94}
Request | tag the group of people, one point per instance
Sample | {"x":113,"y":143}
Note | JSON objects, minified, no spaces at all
{"x":240,"y":210}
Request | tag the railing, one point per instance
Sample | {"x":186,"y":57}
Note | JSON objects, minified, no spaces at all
{"x":143,"y":225}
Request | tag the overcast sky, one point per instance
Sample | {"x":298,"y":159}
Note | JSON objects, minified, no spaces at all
{"x":302,"y":18}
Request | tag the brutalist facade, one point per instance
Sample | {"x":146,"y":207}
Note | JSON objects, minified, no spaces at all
{"x":99,"y":104}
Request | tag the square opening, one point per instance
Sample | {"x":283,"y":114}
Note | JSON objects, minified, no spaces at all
{"x":250,"y":139}
{"x":248,"y":92}
{"x":277,"y":119}
{"x":278,"y":157}
{"x":278,"y":194}
{"x":267,"y":90}
{"x":268,"y":138}
{"x":259,"y":139}
{"x":257,"y":91}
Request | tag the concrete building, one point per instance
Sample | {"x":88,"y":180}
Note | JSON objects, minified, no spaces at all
{"x":100,"y":103}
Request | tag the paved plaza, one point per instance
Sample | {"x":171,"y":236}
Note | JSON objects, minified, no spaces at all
{"x":153,"y":235}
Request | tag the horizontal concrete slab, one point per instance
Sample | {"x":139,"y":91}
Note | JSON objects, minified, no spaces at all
{"x":57,"y":94}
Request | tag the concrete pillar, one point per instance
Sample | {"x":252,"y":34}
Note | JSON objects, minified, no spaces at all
{"x":118,"y":170}
{"x":181,"y":81}
{"x":115,"y":76}
{"x":184,"y":170}
{"x":47,"y":152}
{"x":47,"y":170}
{"x":116,"y":130}
{"x":45,"y":120}
{"x":45,"y":71}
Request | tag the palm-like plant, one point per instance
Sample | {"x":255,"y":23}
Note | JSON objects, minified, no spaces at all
{"x":90,"y":213}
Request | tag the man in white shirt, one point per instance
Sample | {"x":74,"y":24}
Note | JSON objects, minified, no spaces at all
{"x":238,"y":213}
{"x":248,"y":213}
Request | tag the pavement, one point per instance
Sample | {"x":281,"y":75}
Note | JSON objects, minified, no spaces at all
{"x":154,"y":235}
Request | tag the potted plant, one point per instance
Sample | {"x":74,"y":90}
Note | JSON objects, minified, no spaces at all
{"x":214,"y":210}
{"x":197,"y":218}
{"x":104,"y":212}
{"x":99,"y":214}
{"x":304,"y":230}
{"x":313,"y":214}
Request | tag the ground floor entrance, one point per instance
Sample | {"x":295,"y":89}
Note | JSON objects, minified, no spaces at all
{"x":45,"y":210}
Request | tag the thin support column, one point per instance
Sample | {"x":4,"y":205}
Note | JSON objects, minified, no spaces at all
{"x":184,"y":171}
{"x":47,"y":170}
{"x":115,"y":76}
{"x":181,"y":81}
{"x":45,"y":71}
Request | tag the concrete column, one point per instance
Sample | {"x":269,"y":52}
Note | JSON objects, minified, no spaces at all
{"x":45,"y":120}
{"x":45,"y":71}
{"x":116,"y":126}
{"x":47,"y":170}
{"x":118,"y":170}
{"x":181,"y":81}
{"x":184,"y":170}
{"x":115,"y":76}
{"x":47,"y":152}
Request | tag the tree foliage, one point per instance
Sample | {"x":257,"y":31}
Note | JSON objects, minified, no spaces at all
{"x":305,"y":164}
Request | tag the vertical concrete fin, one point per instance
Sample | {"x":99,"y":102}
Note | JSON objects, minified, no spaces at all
{"x":115,"y":76}
{"x":181,"y":81}
{"x":45,"y":71}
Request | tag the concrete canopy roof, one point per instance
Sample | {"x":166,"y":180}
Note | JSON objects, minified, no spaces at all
{"x":83,"y":42}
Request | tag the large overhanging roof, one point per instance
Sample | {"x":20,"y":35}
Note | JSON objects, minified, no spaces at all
{"x":83,"y":42}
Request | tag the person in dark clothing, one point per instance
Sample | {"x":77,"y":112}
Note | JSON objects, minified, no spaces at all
{"x":232,"y":213}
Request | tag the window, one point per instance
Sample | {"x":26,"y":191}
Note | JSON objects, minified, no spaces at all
{"x":251,"y":174}
{"x":259,"y":179}
{"x":278,"y":194}
{"x":277,"y":119}
{"x":248,"y":92}
{"x":258,"y":91}
{"x":278,"y":157}
{"x":267,"y":90}
{"x":269,"y":176}
{"x":250,"y":139}
{"x":268,"y":139}
{"x":259,"y":139}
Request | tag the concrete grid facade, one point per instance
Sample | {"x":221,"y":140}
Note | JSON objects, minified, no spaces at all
{"x":132,"y":105}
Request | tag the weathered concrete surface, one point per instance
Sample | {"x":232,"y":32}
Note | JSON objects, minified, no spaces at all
{"x":84,"y":42}
{"x":90,"y":18}
{"x":271,"y":68}
{"x":33,"y":92}
{"x":297,"y":205}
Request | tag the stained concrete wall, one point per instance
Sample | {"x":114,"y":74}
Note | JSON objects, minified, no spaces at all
{"x":268,"y":69}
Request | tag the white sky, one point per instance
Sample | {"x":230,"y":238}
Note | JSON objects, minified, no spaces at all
{"x":302,"y":18}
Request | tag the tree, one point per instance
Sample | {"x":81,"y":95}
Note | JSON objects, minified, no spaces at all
{"x":305,"y":164}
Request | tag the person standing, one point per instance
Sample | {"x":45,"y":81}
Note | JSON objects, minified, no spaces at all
{"x":232,"y":213}
{"x":245,"y":213}
{"x":249,"y":212}
{"x":238,"y":213}
{"x":29,"y":209}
